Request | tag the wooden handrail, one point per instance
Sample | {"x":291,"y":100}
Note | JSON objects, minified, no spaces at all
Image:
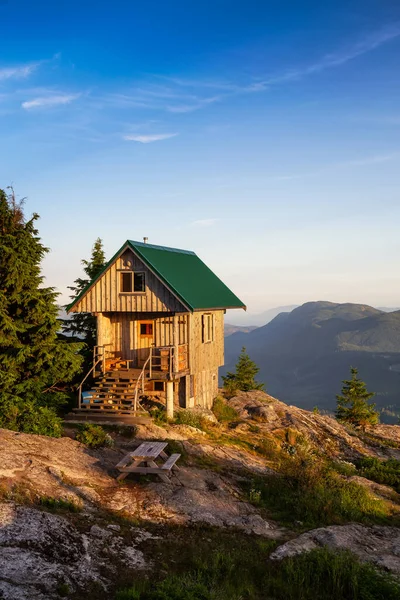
{"x":141,"y":377}
{"x":84,"y":379}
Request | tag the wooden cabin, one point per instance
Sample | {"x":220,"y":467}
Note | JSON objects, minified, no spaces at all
{"x":160,"y":329}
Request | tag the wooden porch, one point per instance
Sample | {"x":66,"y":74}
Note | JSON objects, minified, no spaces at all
{"x":119,"y":385}
{"x":158,"y":361}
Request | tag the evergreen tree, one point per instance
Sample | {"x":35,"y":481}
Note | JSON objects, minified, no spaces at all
{"x":353,"y":404}
{"x":35,"y":365}
{"x":243,"y":377}
{"x":84,"y":324}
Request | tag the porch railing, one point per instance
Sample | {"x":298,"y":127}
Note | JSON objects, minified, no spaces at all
{"x":99,"y":356}
{"x":168,"y":359}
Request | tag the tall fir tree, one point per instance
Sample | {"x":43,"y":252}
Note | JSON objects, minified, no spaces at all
{"x":35,"y":365}
{"x":84,"y":324}
{"x":353,"y":404}
{"x":244,"y":376}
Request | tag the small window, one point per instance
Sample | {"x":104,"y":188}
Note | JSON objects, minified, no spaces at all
{"x":126,"y":282}
{"x":208,"y":328}
{"x":146,"y":329}
{"x":138,"y":282}
{"x":132,"y":282}
{"x":158,"y":386}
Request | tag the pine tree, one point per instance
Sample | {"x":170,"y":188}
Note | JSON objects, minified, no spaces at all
{"x":353,"y":404}
{"x":243,"y":377}
{"x":35,"y":365}
{"x":84,"y":324}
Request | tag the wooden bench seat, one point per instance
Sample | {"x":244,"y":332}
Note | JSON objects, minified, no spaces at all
{"x":170,"y":462}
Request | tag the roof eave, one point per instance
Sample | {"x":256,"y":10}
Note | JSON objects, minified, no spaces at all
{"x":220,"y":308}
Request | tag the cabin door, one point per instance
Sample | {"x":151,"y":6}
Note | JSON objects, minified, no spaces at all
{"x":145,"y":339}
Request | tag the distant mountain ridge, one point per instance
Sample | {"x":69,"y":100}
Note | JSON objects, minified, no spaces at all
{"x":230,"y":329}
{"x":241,"y":319}
{"x":303,"y":355}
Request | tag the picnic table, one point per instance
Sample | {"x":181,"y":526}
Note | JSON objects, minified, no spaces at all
{"x":143,"y":460}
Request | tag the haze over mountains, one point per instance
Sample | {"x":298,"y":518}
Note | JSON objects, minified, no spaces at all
{"x":303,"y":355}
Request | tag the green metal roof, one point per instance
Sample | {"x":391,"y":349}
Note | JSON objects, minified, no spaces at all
{"x":183,"y":273}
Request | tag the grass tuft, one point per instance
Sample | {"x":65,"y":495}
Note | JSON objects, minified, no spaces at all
{"x":229,"y":575}
{"x":192,"y":418}
{"x":58,"y":504}
{"x":312,"y":495}
{"x":223,"y":411}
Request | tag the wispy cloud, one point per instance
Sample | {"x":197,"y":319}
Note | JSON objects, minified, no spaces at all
{"x":204,"y":223}
{"x":147,"y":139}
{"x":185,"y":108}
{"x":24,"y":70}
{"x":178,"y":95}
{"x":49,"y":101}
{"x":335,"y":59}
{"x":228,"y":89}
{"x":19,"y":71}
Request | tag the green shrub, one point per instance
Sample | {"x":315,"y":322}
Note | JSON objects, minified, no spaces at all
{"x":343,"y":468}
{"x":223,"y":411}
{"x":93,"y":436}
{"x":386,"y":472}
{"x":314,"y":495}
{"x":192,"y":418}
{"x":127,"y":431}
{"x":159,"y":416}
{"x":329,"y":575}
{"x":29,"y":417}
{"x":320,"y":574}
{"x":57,"y":504}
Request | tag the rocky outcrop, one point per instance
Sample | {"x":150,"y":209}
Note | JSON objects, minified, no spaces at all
{"x":378,"y":545}
{"x":62,"y":468}
{"x":273,"y":417}
{"x":43,"y":555}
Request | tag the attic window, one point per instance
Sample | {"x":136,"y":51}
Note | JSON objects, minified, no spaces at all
{"x":208,"y":328}
{"x":131,"y":282}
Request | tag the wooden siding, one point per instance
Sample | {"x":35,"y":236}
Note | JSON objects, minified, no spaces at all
{"x":206,"y":388}
{"x":210,"y":355}
{"x":105,"y":331}
{"x":205,"y":358}
{"x":120,"y":329}
{"x":105,"y":296}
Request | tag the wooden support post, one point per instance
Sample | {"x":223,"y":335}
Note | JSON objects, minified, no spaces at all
{"x":187,"y":392}
{"x":170,"y":399}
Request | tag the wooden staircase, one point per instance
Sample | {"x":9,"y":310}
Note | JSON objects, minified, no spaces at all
{"x":115,"y":396}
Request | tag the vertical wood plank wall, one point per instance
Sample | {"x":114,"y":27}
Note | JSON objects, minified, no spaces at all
{"x":121,"y":330}
{"x":205,"y":358}
{"x":105,"y":295}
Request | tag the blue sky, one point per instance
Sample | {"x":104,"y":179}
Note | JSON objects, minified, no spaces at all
{"x":263,"y":135}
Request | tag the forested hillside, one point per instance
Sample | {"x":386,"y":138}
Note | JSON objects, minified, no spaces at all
{"x":303,"y":355}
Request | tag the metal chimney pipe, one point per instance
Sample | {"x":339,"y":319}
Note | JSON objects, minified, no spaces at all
{"x":145,"y":240}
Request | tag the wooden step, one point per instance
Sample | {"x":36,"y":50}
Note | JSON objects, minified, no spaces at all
{"x":114,"y":418}
{"x":106,"y":388}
